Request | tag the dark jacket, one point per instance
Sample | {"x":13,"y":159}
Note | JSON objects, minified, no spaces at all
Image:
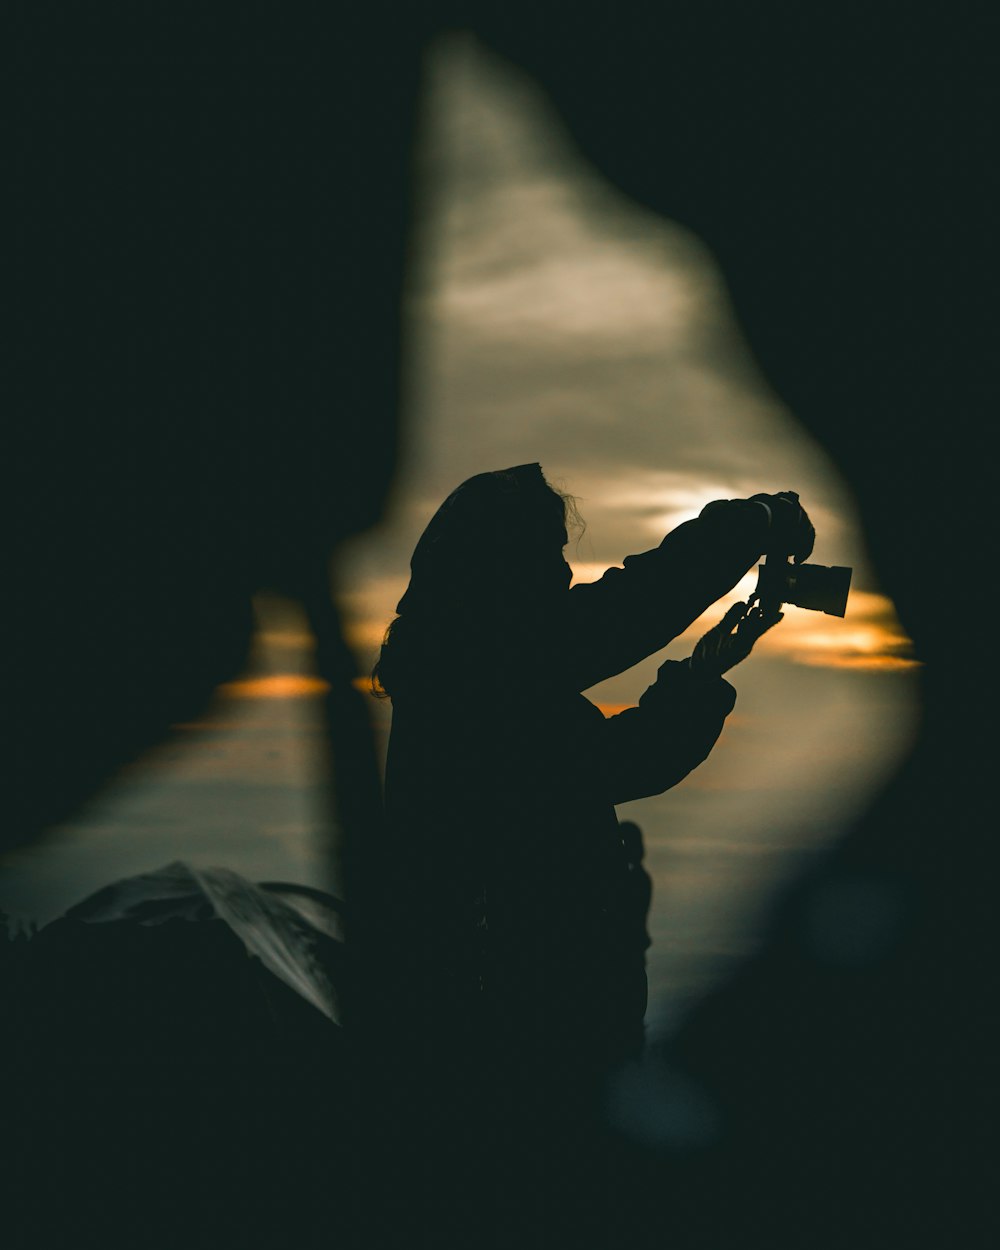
{"x":504,"y":878}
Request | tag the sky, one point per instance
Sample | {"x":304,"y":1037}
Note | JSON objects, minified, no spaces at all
{"x":551,"y":321}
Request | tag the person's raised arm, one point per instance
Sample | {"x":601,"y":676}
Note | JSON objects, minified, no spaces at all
{"x":646,"y":750}
{"x":631,"y":612}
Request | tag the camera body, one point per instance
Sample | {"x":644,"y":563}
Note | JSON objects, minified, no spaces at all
{"x":819,"y":587}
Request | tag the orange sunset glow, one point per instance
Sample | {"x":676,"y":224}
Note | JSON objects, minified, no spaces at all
{"x":275,"y":686}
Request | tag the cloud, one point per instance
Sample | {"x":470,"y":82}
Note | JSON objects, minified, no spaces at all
{"x":550,"y":320}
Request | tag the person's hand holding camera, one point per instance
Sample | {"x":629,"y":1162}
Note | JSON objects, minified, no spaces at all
{"x":790,"y":532}
{"x":731,"y":641}
{"x":778,"y":523}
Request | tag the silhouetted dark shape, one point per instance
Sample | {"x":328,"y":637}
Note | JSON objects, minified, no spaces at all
{"x":173,"y":1061}
{"x":202,"y":356}
{"x":512,"y":963}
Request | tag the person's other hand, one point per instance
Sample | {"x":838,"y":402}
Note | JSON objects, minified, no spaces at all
{"x":790,"y":533}
{"x":731,"y":641}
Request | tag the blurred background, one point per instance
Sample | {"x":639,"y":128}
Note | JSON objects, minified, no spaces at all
{"x":548,"y":320}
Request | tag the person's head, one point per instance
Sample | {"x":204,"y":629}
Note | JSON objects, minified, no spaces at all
{"x":489,"y":565}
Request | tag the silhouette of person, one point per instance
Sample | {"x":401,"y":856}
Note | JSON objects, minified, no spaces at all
{"x":510,"y":924}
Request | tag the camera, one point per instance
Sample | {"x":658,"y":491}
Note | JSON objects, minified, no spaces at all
{"x":819,"y":587}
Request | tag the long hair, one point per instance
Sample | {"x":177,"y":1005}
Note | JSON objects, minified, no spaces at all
{"x":473,"y":576}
